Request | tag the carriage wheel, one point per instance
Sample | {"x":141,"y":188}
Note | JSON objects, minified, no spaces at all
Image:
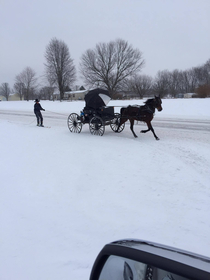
{"x":115,"y":123}
{"x":97,"y":126}
{"x":74,"y":123}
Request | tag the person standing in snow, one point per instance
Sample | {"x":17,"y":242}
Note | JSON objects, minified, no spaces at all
{"x":37,"y":109}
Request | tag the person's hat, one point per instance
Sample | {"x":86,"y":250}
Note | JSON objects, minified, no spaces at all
{"x":36,"y":100}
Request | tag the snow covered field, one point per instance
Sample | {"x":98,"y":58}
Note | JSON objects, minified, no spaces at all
{"x":64,"y":195}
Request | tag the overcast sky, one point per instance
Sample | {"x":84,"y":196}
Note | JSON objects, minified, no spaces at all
{"x":171,"y":34}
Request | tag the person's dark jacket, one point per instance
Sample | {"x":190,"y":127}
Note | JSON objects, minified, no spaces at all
{"x":38,"y":108}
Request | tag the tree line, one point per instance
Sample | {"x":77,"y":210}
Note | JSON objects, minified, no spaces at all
{"x":114,"y":66}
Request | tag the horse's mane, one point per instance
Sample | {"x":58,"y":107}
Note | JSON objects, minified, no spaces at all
{"x":148,"y":101}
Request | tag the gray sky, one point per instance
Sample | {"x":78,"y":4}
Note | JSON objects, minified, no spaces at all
{"x":172,"y":34}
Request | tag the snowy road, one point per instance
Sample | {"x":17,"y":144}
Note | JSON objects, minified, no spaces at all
{"x":202,"y":125}
{"x":173,"y":123}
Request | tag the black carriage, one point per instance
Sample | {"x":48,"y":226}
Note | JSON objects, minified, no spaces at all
{"x":96,"y":113}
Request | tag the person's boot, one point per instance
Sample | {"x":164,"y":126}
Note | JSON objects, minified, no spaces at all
{"x":38,"y":124}
{"x":41,"y":125}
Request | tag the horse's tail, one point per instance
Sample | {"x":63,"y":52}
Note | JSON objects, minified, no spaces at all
{"x":121,"y":111}
{"x":123,"y":116}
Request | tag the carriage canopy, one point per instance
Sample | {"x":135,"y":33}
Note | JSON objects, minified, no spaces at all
{"x":97,"y":98}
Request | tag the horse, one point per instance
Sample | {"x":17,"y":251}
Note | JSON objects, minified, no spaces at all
{"x":144,"y":113}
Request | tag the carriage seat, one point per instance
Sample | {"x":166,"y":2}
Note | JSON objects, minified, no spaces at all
{"x":106,"y":111}
{"x":88,"y":110}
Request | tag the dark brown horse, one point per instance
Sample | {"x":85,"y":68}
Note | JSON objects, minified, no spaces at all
{"x":143,"y":113}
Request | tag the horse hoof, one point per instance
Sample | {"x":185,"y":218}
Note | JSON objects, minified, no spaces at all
{"x":157,"y":138}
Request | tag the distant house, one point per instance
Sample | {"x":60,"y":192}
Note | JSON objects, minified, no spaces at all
{"x":184,"y":95}
{"x":180,"y":95}
{"x":72,"y":95}
{"x":12,"y":97}
{"x":188,"y":95}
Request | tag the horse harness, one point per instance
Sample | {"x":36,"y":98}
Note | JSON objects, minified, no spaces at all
{"x":142,"y":110}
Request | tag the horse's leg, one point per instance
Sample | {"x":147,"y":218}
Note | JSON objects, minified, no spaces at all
{"x":144,"y":131}
{"x":122,"y":121}
{"x":150,"y":128}
{"x":131,"y":127}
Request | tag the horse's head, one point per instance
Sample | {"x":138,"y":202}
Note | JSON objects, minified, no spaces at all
{"x":158,"y":103}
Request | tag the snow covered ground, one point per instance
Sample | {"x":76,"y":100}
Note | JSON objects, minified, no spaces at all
{"x":65,"y":195}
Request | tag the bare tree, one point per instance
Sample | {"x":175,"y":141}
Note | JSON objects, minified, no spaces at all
{"x":19,"y":89}
{"x":161,"y":83}
{"x":27,"y":79}
{"x":59,"y":68}
{"x":190,"y":80}
{"x":140,"y":84}
{"x":46,"y":93}
{"x":174,"y":86}
{"x":5,"y":90}
{"x":205,"y":70}
{"x":109,"y":64}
